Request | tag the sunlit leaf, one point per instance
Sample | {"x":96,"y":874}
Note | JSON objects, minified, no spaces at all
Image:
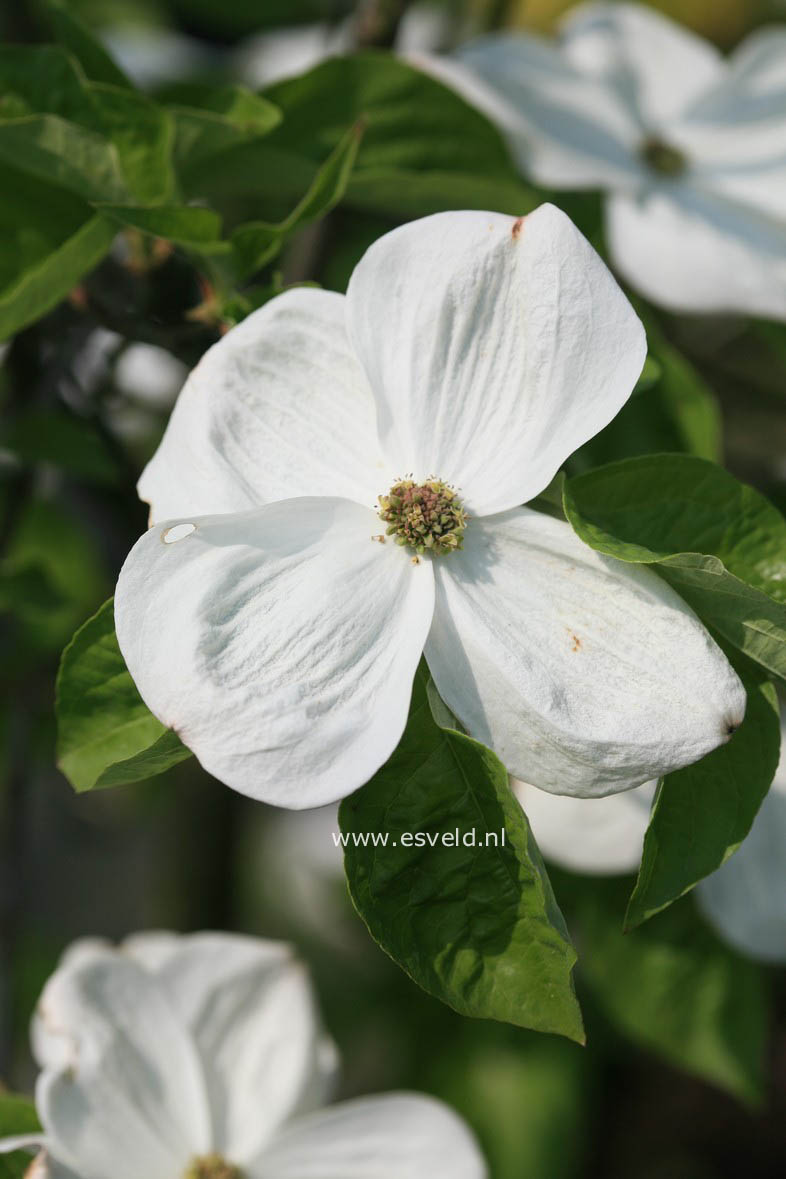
{"x":256,"y":243}
{"x":719,"y":542}
{"x":17,"y":1116}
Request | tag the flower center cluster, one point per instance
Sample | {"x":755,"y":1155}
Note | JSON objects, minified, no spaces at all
{"x":428,"y":517}
{"x":211,"y":1166}
{"x":662,"y":157}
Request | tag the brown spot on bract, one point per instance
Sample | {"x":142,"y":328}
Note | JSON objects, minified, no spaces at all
{"x":575,"y":642}
{"x":518,"y":225}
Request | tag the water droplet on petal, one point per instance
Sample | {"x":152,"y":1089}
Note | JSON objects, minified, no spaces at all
{"x":177,"y":532}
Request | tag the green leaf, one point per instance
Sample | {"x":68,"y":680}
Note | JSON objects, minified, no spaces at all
{"x":671,"y":409}
{"x":17,"y":1116}
{"x":209,"y":121}
{"x":673,"y":987}
{"x":106,"y":735}
{"x":65,"y":441}
{"x":167,"y":751}
{"x":703,"y":812}
{"x":51,"y":239}
{"x":526,"y":1097}
{"x":689,"y":404}
{"x":89,"y":52}
{"x":65,"y":154}
{"x":425,"y":149}
{"x":100,"y":140}
{"x":143,"y":134}
{"x":236,"y":105}
{"x":478,"y":926}
{"x":719,"y":542}
{"x":49,"y":81}
{"x":27,"y":590}
{"x":257,"y":242}
{"x":238,"y":306}
{"x":186,"y":225}
{"x":55,"y":536}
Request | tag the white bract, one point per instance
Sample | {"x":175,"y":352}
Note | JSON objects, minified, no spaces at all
{"x":689,"y":146}
{"x":745,"y":899}
{"x":275,"y":621}
{"x":202,"y":1057}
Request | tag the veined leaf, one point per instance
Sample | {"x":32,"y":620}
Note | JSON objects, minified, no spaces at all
{"x":209,"y":121}
{"x":106,"y":734}
{"x":703,"y":812}
{"x":475,"y":924}
{"x":51,"y":239}
{"x":424,"y":150}
{"x":719,"y":542}
{"x":257,"y":242}
{"x":184,"y":224}
{"x":89,"y":52}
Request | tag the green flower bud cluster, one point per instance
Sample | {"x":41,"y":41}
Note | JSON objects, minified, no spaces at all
{"x":662,"y":157}
{"x":427,"y":517}
{"x":211,"y":1166}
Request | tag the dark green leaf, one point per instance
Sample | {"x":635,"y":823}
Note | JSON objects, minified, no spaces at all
{"x":688,"y":403}
{"x":26,"y":590}
{"x":55,"y":537}
{"x":66,"y":441}
{"x":526,"y":1097}
{"x":183,"y":224}
{"x":477,"y":926}
{"x":142,"y":133}
{"x":671,"y":409}
{"x":49,"y":80}
{"x":17,"y":1116}
{"x":89,"y":52}
{"x":64,"y":153}
{"x":673,"y":987}
{"x":258,"y":242}
{"x":238,"y":306}
{"x":704,"y":811}
{"x":425,"y":149}
{"x":719,"y":542}
{"x":237,"y":106}
{"x":106,"y":735}
{"x":103,"y":141}
{"x":209,"y":121}
{"x":51,"y":239}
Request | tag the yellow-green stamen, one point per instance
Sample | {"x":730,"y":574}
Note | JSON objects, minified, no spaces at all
{"x":427,"y":517}
{"x":211,"y":1166}
{"x":662,"y":157}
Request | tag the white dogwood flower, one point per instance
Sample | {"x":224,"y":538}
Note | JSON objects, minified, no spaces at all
{"x":744,"y":899}
{"x":690,"y":147}
{"x":339,"y":488}
{"x":202,"y":1057}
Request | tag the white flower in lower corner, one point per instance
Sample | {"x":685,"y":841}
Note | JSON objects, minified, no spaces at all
{"x":274,"y":615}
{"x":745,"y":899}
{"x":202,"y":1057}
{"x":689,"y":147}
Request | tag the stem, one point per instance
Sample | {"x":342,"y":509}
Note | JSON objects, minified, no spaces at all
{"x":377,"y":23}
